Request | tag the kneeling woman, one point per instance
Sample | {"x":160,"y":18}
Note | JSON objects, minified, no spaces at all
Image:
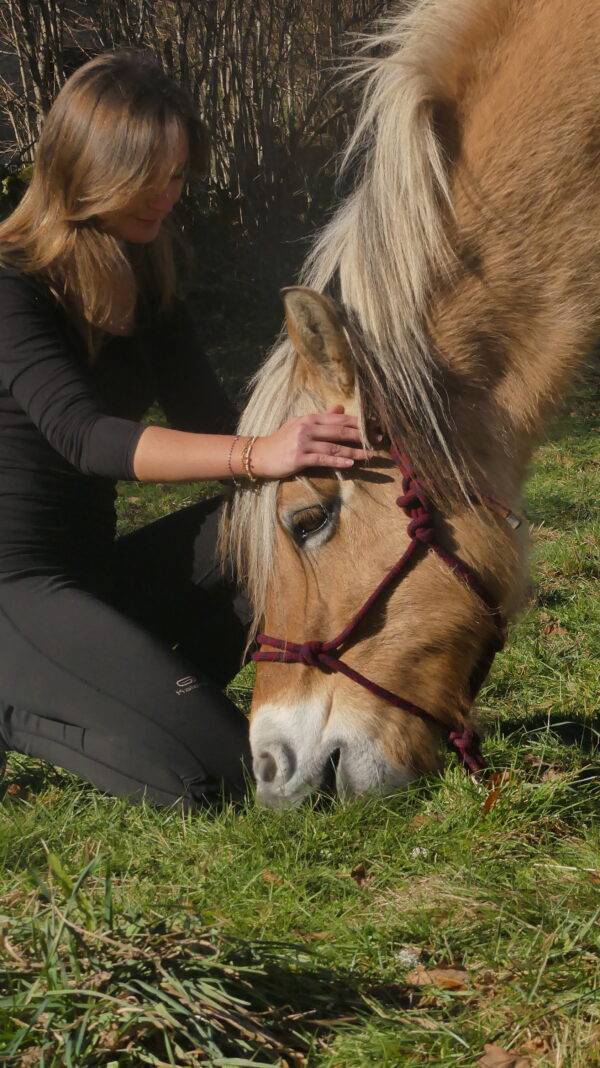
{"x":113,"y":651}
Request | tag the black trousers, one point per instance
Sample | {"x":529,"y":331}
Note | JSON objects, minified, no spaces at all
{"x":116,"y":674}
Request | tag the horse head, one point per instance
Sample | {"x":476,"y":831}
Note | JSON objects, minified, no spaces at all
{"x":336,"y":540}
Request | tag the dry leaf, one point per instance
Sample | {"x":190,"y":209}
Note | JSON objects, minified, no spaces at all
{"x":271,"y":877}
{"x":419,"y":821}
{"x":552,"y":772}
{"x":495,"y":783}
{"x":490,"y":800}
{"x":499,"y":778}
{"x":359,"y":874}
{"x":99,"y":979}
{"x":537,"y":1045}
{"x":310,"y":936}
{"x":533,"y":761}
{"x":445,"y":978}
{"x":497,"y":1057}
{"x":109,"y":1039}
{"x":14,"y":790}
{"x":31,"y":1057}
{"x":554,"y":628}
{"x":594,"y":876}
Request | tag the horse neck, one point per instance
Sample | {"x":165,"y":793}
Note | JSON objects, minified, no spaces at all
{"x":522,"y":310}
{"x":510,"y":339}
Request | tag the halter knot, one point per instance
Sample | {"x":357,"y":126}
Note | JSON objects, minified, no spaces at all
{"x":309,"y":653}
{"x":420,"y":527}
{"x":408,"y":501}
{"x":413,"y":495}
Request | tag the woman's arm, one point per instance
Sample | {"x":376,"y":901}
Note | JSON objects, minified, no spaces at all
{"x":326,"y":439}
{"x":42,"y":371}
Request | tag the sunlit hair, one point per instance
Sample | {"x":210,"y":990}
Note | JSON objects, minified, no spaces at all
{"x":378,"y":256}
{"x":111,"y":134}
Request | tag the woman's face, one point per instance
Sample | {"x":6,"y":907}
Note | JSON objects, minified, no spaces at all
{"x":140,"y":222}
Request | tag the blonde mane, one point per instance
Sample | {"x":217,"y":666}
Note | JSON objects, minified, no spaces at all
{"x":379,"y":256}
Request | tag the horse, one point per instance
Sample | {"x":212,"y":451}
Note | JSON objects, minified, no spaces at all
{"x":451,"y":299}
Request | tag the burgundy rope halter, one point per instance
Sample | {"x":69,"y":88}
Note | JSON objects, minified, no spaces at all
{"x":325,"y":654}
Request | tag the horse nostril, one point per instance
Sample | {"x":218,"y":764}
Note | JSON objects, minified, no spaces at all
{"x":265,"y":767}
{"x":278,"y":762}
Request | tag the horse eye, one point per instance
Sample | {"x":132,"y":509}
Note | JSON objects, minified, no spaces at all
{"x":308,"y":521}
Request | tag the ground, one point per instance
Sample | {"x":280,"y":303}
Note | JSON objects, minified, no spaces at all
{"x":442,"y":926}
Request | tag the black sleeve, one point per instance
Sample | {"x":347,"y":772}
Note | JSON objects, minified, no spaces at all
{"x":50,"y":383}
{"x":189,"y":391}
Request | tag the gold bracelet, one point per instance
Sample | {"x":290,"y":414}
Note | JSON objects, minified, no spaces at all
{"x":229,"y":464}
{"x":246,"y":461}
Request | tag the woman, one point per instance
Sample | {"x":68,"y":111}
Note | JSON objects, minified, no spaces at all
{"x":113,"y":651}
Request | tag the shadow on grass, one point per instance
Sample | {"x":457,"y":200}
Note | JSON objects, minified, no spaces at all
{"x":561,"y":512}
{"x":31,"y":776}
{"x":118,"y":989}
{"x":580,"y":734}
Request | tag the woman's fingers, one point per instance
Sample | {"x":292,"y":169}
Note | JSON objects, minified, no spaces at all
{"x":346,"y":426}
{"x":331,"y":450}
{"x":322,"y":459}
{"x":341,"y":434}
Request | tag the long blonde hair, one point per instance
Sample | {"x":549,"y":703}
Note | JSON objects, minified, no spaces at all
{"x":110,"y":134}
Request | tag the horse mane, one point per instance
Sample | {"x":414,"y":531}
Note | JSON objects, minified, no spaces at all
{"x":380,"y":255}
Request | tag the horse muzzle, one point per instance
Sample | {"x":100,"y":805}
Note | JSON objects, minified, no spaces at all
{"x":300,"y":752}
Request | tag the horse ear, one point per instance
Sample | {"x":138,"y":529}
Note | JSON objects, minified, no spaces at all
{"x":315,"y":330}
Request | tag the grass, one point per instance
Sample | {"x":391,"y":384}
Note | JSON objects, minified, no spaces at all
{"x":393,"y":932}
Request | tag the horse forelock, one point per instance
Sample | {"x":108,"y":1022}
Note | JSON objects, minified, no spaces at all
{"x":379,"y":255}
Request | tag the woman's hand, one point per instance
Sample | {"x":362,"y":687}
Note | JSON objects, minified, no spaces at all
{"x":325,"y":439}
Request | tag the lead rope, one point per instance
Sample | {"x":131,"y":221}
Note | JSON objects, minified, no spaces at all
{"x":324,"y":654}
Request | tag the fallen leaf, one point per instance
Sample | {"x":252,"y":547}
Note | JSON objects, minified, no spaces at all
{"x":552,"y":772}
{"x":495,"y":782}
{"x":537,"y":1045}
{"x":271,"y":877}
{"x":359,"y":874}
{"x":310,"y":936}
{"x":31,"y":1057}
{"x":594,"y":876}
{"x":109,"y":1039}
{"x":445,"y":978}
{"x":497,"y":1057}
{"x":490,"y":800}
{"x":554,"y":628}
{"x":499,"y":778}
{"x":14,"y":790}
{"x":422,"y":820}
{"x":98,"y":979}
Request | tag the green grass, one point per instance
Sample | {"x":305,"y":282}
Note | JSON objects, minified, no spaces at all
{"x":132,"y":936}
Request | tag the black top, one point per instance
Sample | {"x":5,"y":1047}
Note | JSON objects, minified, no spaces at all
{"x":68,"y":431}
